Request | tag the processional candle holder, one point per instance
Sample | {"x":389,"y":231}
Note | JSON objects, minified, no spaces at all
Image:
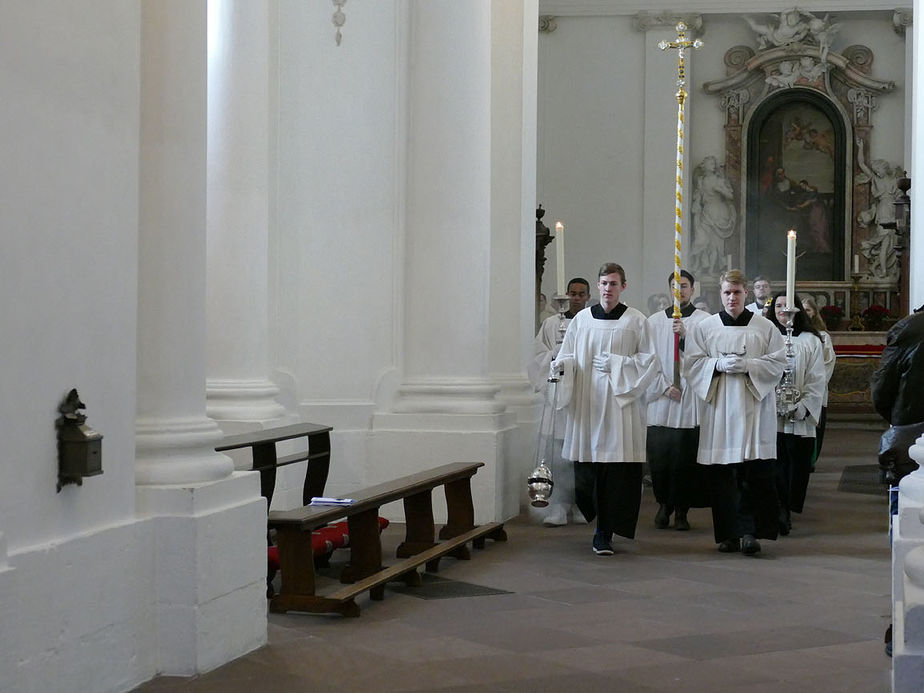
{"x":561,"y":304}
{"x":787,"y":394}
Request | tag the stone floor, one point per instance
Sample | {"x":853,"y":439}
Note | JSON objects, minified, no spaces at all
{"x":666,"y":613}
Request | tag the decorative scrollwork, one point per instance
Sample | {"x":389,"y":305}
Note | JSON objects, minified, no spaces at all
{"x":864,"y":102}
{"x":339,"y":19}
{"x":736,"y":57}
{"x":860,"y":57}
{"x":733,"y":102}
{"x":547,"y":23}
{"x":902,"y":19}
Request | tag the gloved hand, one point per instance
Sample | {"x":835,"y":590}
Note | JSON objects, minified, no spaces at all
{"x":800,"y":412}
{"x":740,"y":365}
{"x":602,"y":362}
{"x":728,"y":364}
{"x":555,"y":369}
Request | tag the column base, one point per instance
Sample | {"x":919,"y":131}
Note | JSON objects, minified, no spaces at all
{"x":178,"y":451}
{"x":243,"y":401}
{"x":210,"y":571}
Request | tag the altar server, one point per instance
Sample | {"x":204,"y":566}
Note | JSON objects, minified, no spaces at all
{"x":734,"y":360}
{"x":795,"y":438}
{"x":607,"y":363}
{"x":545,"y":349}
{"x":830,"y":357}
{"x":673,"y":425}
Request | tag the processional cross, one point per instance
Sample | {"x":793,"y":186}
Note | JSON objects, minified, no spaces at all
{"x":681,"y":44}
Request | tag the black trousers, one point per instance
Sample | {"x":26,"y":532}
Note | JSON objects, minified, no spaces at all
{"x":744,"y":500}
{"x":676,"y":479}
{"x":820,"y":431}
{"x":793,"y":469}
{"x":611,"y":492}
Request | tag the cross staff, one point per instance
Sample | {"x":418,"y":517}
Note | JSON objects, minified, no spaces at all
{"x":681,"y":44}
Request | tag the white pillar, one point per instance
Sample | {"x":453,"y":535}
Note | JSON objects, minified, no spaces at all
{"x":208,"y":524}
{"x":908,"y":579}
{"x":238,"y":388}
{"x":447,"y":407}
{"x":175,"y":439}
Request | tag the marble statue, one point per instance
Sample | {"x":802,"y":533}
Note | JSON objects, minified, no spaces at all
{"x":714,"y":216}
{"x":879,"y":248}
{"x":793,"y":26}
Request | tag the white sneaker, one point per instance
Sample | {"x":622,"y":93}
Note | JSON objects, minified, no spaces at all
{"x":558,"y":516}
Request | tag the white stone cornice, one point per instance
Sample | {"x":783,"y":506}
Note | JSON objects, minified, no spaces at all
{"x":645,"y":21}
{"x":590,"y":8}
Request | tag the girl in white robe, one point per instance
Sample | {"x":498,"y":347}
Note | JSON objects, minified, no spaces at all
{"x":796,"y":429}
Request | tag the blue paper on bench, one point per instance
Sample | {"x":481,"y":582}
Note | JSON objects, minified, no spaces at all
{"x":323,"y":500}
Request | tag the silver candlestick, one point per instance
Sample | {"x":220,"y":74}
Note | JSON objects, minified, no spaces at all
{"x":787,"y":394}
{"x":561,"y":304}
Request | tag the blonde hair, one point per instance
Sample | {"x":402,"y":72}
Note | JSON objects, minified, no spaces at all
{"x":733,"y":276}
{"x":816,"y":320}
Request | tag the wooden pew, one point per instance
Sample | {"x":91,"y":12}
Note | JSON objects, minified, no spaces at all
{"x":365,"y":570}
{"x":263,"y":450}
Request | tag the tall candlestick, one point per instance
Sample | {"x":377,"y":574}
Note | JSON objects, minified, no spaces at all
{"x":790,"y":267}
{"x":856,"y":264}
{"x":560,"y":258}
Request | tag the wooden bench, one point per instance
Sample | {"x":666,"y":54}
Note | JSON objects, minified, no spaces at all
{"x":263,"y":450}
{"x":365,"y":570}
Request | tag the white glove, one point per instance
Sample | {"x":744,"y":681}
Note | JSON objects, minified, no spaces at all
{"x":800,"y":412}
{"x":740,"y":365}
{"x":728,"y":364}
{"x":602,"y":362}
{"x":555,"y":369}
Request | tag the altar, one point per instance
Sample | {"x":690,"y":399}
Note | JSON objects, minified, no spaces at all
{"x":857,"y":358}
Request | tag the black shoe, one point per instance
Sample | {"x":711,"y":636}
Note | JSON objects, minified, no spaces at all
{"x":663,"y":518}
{"x":681,"y":523}
{"x":730,"y":546}
{"x":602,"y":545}
{"x":750,"y":545}
{"x":888,"y":641}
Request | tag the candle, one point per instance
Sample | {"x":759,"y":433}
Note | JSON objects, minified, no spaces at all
{"x":790,"y":267}
{"x":856,"y":264}
{"x":560,"y":258}
{"x":728,"y":263}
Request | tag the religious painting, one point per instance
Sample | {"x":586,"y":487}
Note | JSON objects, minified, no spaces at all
{"x":796,"y":181}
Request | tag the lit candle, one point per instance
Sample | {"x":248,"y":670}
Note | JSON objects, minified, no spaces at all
{"x":560,"y":258}
{"x":790,"y":267}
{"x":856,"y":264}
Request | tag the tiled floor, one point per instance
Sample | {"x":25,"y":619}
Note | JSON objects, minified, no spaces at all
{"x":666,"y":613}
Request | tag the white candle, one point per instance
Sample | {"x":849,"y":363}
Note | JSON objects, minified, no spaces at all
{"x":790,"y":267}
{"x":728,"y":263}
{"x":856,"y":264}
{"x":560,"y":258}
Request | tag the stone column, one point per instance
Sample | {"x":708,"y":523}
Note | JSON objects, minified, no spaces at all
{"x":916,"y":170}
{"x":208,"y":524}
{"x":240,"y":395}
{"x":447,"y":406}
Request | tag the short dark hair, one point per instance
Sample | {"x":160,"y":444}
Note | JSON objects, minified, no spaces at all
{"x":683,"y":273}
{"x":580,"y":280}
{"x":759,"y":278}
{"x":612,"y":268}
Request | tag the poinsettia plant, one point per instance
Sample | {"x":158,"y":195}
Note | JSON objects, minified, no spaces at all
{"x":874,"y":316}
{"x":832,"y":313}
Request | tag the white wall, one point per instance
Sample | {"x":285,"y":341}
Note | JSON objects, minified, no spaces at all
{"x":75,"y":601}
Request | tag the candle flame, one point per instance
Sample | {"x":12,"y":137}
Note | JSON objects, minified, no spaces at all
{"x":559,"y":226}
{"x":791,"y":234}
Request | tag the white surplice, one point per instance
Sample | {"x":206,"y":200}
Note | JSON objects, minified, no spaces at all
{"x":809,"y":380}
{"x":662,"y":410}
{"x":738,"y":417}
{"x":830,"y":357}
{"x":606,"y":411}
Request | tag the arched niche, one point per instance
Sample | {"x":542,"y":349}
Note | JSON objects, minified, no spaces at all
{"x":795,"y":177}
{"x":760,"y":85}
